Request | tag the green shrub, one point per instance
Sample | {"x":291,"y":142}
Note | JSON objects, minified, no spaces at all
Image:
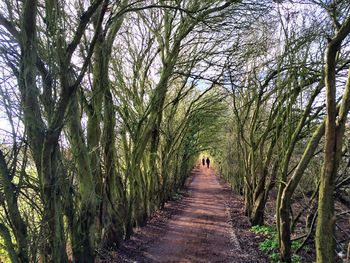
{"x":264,"y":230}
{"x":270,"y":245}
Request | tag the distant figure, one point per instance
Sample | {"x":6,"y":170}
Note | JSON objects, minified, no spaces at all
{"x":208,"y":162}
{"x":203,"y":161}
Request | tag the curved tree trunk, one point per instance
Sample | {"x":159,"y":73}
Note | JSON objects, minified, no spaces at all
{"x":325,"y":245}
{"x":285,"y":226}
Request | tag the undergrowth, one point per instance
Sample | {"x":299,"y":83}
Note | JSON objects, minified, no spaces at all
{"x":270,"y":244}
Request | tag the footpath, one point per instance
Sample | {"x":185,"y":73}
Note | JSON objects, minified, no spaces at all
{"x":205,"y":225}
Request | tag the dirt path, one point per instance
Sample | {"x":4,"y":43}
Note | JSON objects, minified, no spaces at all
{"x":197,"y":228}
{"x":200,"y":229}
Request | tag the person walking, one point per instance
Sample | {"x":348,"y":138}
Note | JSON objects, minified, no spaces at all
{"x":203,"y":161}
{"x":208,"y":162}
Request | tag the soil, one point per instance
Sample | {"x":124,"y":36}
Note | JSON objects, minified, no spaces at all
{"x":205,"y":225}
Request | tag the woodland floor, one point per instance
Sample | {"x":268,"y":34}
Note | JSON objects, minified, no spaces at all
{"x":205,"y":224}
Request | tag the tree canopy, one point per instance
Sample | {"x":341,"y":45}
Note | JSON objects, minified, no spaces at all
{"x":106,"y":106}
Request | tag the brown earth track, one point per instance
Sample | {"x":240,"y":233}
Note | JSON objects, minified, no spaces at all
{"x":205,"y":225}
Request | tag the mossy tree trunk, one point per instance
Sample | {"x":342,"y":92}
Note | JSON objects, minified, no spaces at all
{"x":43,"y":144}
{"x":257,"y":150}
{"x":285,"y":194}
{"x":43,"y":138}
{"x":84,"y":230}
{"x":20,"y":251}
{"x":284,"y":209}
{"x":101,"y":141}
{"x":334,"y":133}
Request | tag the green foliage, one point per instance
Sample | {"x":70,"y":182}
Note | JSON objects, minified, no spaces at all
{"x":275,"y":257}
{"x":270,"y":245}
{"x":264,"y":230}
{"x":296,"y":258}
{"x":296,"y":244}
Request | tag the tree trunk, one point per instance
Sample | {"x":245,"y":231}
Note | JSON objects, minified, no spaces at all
{"x":84,"y":230}
{"x":325,"y":245}
{"x":53,"y":208}
{"x":43,"y":146}
{"x":257,"y":215}
{"x":17,"y":223}
{"x":285,"y":226}
{"x":113,"y":209}
{"x":248,"y":203}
